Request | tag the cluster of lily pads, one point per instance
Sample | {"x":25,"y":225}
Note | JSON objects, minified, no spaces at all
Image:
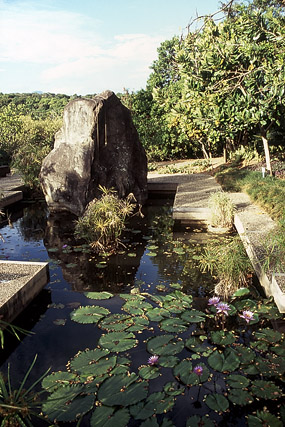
{"x":164,"y":360}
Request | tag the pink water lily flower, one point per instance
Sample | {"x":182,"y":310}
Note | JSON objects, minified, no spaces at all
{"x":153,"y":360}
{"x":247,"y":315}
{"x":198,"y":370}
{"x":214,"y":301}
{"x":223,"y":308}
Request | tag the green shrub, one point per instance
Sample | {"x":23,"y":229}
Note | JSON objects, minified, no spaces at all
{"x":103,"y":221}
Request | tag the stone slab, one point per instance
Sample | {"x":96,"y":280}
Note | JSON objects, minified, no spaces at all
{"x":20,"y":283}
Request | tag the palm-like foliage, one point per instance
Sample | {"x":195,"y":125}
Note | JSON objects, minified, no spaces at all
{"x":104,"y":220}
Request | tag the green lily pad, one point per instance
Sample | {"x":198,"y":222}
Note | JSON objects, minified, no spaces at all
{"x":98,"y":295}
{"x":224,"y":362}
{"x":193,"y":316}
{"x":52,"y":249}
{"x":263,"y":419}
{"x":222,"y":337}
{"x":115,"y":322}
{"x":173,"y":388}
{"x":59,"y":322}
{"x":122,"y":390}
{"x":156,"y":403}
{"x":240,"y":397}
{"x":137,"y":307}
{"x":245,"y":354}
{"x":195,"y":344}
{"x":269,"y":335}
{"x":156,"y":314}
{"x":132,"y":254}
{"x":151,"y":254}
{"x":197,"y":421}
{"x":176,"y":285}
{"x":266,"y":389}
{"x":93,"y":362}
{"x":241,"y":292}
{"x":173,"y":324}
{"x":104,"y":416}
{"x":168,"y":361}
{"x":136,"y":323}
{"x":89,"y":314}
{"x":152,"y":247}
{"x":238,"y":381}
{"x":118,"y":341}
{"x":149,"y":372}
{"x":165,"y":345}
{"x":246,"y":304}
{"x":217,"y":402}
{"x":185,"y":372}
{"x":57,"y":380}
{"x":71,"y":403}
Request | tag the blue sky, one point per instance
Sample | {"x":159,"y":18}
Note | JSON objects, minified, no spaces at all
{"x":87,"y":46}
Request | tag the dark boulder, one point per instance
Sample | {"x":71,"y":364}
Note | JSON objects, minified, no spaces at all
{"x":97,"y":145}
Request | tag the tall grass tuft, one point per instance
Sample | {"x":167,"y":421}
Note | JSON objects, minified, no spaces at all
{"x":221,"y":210}
{"x":104,"y":219}
{"x":226,"y":259}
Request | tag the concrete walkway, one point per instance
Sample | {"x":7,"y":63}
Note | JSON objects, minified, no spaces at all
{"x":10,"y":190}
{"x":251,"y":222}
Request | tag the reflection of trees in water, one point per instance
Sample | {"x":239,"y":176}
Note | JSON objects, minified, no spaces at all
{"x":87,"y":271}
{"x":33,"y":222}
{"x":176,"y":260}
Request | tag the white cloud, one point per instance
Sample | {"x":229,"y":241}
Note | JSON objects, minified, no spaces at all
{"x":70,"y":50}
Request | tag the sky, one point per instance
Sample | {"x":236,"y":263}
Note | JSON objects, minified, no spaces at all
{"x":87,"y":46}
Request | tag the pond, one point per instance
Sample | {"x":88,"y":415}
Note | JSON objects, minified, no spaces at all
{"x":131,"y":338}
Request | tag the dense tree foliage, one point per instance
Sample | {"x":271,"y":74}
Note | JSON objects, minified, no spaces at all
{"x":219,"y":87}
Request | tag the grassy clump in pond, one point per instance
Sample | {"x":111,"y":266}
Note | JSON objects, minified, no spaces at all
{"x":161,"y":362}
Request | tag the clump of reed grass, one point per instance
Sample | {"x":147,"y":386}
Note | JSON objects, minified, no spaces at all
{"x":221,"y":210}
{"x":104,"y":219}
{"x":226,"y":260}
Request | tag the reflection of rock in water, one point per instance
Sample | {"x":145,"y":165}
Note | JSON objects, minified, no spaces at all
{"x":81,"y":268}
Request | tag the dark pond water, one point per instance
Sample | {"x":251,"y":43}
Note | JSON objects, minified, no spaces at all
{"x":152,"y":259}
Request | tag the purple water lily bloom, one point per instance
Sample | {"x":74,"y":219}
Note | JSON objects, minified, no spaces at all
{"x":64,"y":246}
{"x":223,"y":308}
{"x":214,"y":301}
{"x":153,"y":360}
{"x":247,"y":315}
{"x":198,"y":370}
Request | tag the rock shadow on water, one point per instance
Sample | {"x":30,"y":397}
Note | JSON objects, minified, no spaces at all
{"x":85,"y":270}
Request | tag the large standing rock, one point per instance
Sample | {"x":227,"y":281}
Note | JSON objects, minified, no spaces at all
{"x":97,"y":145}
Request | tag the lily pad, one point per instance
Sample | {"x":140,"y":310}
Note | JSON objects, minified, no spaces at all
{"x":217,"y":402}
{"x":89,"y":314}
{"x":195,"y":344}
{"x":93,"y":362}
{"x":57,"y":380}
{"x":224,"y":362}
{"x":98,"y":295}
{"x":149,"y":372}
{"x":193,"y":316}
{"x":151,"y":254}
{"x":105,"y":416}
{"x":71,"y":403}
{"x":269,"y":335}
{"x":168,"y":361}
{"x":173,"y":324}
{"x":115,"y":322}
{"x":173,"y":388}
{"x":262,"y":419}
{"x":240,"y":397}
{"x":122,"y":390}
{"x":238,"y":381}
{"x":241,"y":292}
{"x":164,"y":345}
{"x":118,"y":341}
{"x":266,"y":389}
{"x":197,"y":421}
{"x":186,"y":374}
{"x":222,"y":337}
{"x":156,"y":403}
